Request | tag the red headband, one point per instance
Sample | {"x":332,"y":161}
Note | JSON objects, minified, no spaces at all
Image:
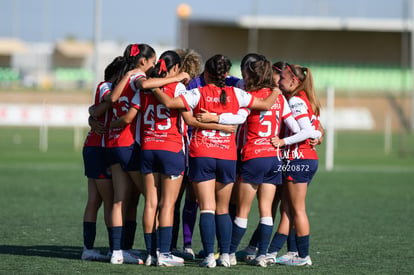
{"x":277,"y":68}
{"x":290,"y":70}
{"x":210,"y":75}
{"x":163,"y":68}
{"x":134,"y":50}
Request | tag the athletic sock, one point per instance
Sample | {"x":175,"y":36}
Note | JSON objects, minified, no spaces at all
{"x":189,"y":219}
{"x":291,"y":241}
{"x":277,"y":242}
{"x":89,"y":234}
{"x":116,"y":235}
{"x":128,"y":236}
{"x":266,"y":228}
{"x":254,"y":240}
{"x":239,"y":228}
{"x":151,"y":243}
{"x":223,"y":229}
{"x":165,"y":234}
{"x":207,"y":231}
{"x":302,"y":244}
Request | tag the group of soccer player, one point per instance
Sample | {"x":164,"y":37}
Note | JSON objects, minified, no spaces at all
{"x":163,"y":127}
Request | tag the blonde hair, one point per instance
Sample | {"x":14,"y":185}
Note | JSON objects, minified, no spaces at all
{"x":305,"y":79}
{"x":190,"y":62}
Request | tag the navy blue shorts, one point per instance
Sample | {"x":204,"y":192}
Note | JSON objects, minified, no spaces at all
{"x":128,"y":157}
{"x":300,"y":170}
{"x":203,"y":169}
{"x":164,"y":162}
{"x":95,"y":162}
{"x":262,"y":170}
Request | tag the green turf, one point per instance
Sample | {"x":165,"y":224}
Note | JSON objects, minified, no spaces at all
{"x":360,"y":213}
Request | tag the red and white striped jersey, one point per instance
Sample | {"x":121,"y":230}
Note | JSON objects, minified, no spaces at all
{"x":261,"y":126}
{"x":162,"y":128}
{"x":122,"y":137}
{"x":301,"y":107}
{"x":212,"y":143}
{"x":93,"y":139}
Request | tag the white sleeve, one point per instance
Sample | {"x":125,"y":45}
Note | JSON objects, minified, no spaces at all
{"x":298,"y":107}
{"x":136,"y":100}
{"x":306,"y":131}
{"x":179,"y":89}
{"x":191,"y":97}
{"x":229,"y":118}
{"x":292,"y":124}
{"x":135,"y":77}
{"x":105,"y":88}
{"x":243,"y":97}
{"x":286,"y":109}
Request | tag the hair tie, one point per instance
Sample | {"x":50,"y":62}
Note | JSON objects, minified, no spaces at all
{"x":134,"y":50}
{"x":163,"y":68}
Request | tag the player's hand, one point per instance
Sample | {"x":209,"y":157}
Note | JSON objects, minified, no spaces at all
{"x":96,"y":126}
{"x":206,"y":116}
{"x":277,"y":90}
{"x":184,"y":77}
{"x":277,"y":142}
{"x":132,"y":72}
{"x":315,"y":141}
{"x":228,"y":128}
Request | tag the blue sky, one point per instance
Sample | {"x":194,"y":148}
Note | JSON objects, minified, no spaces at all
{"x":155,"y":21}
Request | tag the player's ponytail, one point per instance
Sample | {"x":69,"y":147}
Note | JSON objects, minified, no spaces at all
{"x":305,"y":79}
{"x":259,"y":75}
{"x":132,"y":54}
{"x":114,"y":68}
{"x":216,"y":68}
{"x":167,"y":60}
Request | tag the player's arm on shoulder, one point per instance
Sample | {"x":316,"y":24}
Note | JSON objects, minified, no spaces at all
{"x":265,"y":103}
{"x":160,"y":82}
{"x":190,"y":120}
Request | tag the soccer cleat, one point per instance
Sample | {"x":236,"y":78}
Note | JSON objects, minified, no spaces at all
{"x":248,"y":253}
{"x":264,"y":260}
{"x":151,"y":260}
{"x":233,"y":259}
{"x":289,"y":255}
{"x":187,"y":253}
{"x":298,"y":261}
{"x":249,"y":258}
{"x":130,"y":258}
{"x":201,"y":254}
{"x":209,"y":261}
{"x":117,"y":257}
{"x":93,"y":255}
{"x":224,"y":260}
{"x":167,"y":259}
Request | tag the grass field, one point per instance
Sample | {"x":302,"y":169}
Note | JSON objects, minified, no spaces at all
{"x":361,"y":213}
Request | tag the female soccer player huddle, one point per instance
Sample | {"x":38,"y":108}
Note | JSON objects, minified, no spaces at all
{"x":140,"y":144}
